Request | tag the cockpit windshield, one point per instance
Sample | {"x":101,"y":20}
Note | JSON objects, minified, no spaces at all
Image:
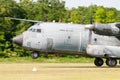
{"x":34,"y":30}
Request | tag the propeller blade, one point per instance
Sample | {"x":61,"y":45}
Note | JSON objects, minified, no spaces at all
{"x":34,"y":21}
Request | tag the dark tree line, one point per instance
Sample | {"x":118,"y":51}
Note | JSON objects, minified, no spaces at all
{"x":44,"y":10}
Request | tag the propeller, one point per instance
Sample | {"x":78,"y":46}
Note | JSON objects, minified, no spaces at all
{"x":90,"y":27}
{"x":34,"y":21}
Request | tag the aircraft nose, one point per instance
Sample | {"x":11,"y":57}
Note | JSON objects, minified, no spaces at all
{"x":18,"y":40}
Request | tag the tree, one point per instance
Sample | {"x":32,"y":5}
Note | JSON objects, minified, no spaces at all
{"x":117,"y":17}
{"x":11,"y":9}
{"x":100,"y":15}
{"x":110,"y":16}
{"x":44,"y":10}
{"x":74,"y":16}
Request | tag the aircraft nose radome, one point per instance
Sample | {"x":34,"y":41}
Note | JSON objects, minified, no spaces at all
{"x":18,"y":40}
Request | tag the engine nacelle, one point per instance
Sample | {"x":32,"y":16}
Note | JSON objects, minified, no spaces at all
{"x":103,"y":51}
{"x":112,"y":29}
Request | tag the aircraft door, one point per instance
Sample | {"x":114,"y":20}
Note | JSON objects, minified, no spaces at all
{"x":80,"y":43}
{"x":68,"y":40}
{"x":83,"y":40}
{"x":49,"y":43}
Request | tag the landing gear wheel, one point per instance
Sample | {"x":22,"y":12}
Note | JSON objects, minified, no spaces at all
{"x":111,"y":62}
{"x":98,"y":62}
{"x":34,"y":55}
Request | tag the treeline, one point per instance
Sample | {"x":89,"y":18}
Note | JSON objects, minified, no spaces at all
{"x":47,"y":11}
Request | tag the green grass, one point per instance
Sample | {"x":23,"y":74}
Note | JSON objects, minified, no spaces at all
{"x":46,"y":60}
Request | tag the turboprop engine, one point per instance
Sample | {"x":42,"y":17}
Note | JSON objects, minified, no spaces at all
{"x":111,"y":29}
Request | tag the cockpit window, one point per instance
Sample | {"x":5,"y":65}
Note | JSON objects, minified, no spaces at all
{"x":39,"y":30}
{"x":35,"y":30}
{"x":30,"y":29}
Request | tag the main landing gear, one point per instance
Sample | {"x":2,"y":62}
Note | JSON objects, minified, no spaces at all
{"x":111,"y":62}
{"x":98,"y":62}
{"x":34,"y":55}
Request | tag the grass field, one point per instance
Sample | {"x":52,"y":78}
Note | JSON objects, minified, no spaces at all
{"x":47,"y":60}
{"x":57,"y":71}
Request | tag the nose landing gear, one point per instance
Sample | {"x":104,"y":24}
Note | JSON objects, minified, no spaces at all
{"x":34,"y":55}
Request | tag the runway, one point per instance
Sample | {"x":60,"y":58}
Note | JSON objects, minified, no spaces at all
{"x":58,"y":71}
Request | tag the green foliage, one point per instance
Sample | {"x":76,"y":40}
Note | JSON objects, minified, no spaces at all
{"x":110,"y":16}
{"x":74,"y":16}
{"x":100,"y":15}
{"x":105,"y":15}
{"x":44,"y":10}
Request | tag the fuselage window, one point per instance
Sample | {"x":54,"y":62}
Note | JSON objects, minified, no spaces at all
{"x":39,"y":30}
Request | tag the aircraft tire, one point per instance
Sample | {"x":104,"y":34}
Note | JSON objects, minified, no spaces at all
{"x":34,"y":55}
{"x":111,"y":62}
{"x":98,"y":62}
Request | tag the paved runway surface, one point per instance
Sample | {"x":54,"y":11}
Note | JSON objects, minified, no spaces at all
{"x":58,"y":71}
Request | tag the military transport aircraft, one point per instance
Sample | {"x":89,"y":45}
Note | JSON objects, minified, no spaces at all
{"x":95,"y":40}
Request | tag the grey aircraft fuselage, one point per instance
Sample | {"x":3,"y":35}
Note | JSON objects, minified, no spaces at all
{"x":68,"y":38}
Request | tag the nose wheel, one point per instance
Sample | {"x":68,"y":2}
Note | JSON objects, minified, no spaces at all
{"x":34,"y":55}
